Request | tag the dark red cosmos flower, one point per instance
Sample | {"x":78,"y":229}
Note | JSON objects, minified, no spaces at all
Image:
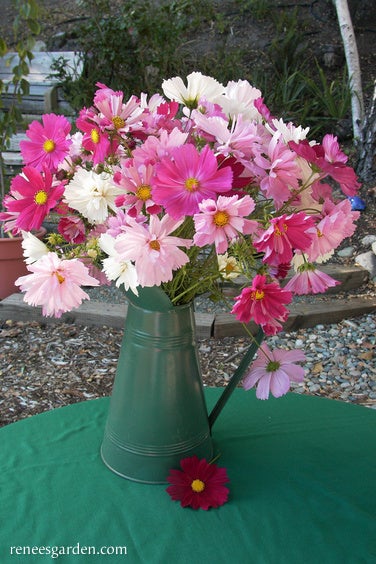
{"x":199,"y":484}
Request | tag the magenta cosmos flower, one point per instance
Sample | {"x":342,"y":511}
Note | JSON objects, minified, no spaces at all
{"x":48,"y":144}
{"x":33,"y":197}
{"x":221,"y":221}
{"x":55,"y":284}
{"x":198,"y":484}
{"x":285,"y":234}
{"x":187,"y":178}
{"x":264,"y":303}
{"x":273,"y":372}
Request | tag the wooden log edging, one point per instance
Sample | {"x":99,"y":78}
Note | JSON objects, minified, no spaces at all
{"x":208,"y":325}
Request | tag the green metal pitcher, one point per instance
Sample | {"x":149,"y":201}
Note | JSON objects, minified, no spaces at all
{"x":158,"y":413}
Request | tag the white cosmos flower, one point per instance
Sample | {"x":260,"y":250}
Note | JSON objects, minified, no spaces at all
{"x":288,"y":131}
{"x":228,"y":267}
{"x":124,"y":272}
{"x":198,"y":86}
{"x":239,"y":99}
{"x":92,"y":194}
{"x":33,"y":248}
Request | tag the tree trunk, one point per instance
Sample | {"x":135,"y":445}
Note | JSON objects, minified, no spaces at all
{"x":366,"y":165}
{"x":353,"y":66}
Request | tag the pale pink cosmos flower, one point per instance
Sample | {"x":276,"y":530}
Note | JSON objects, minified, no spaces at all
{"x":273,"y":372}
{"x":48,"y":143}
{"x":55,"y":284}
{"x":191,"y":176}
{"x":264,"y":303}
{"x":155,"y":253}
{"x":221,"y":221}
{"x":310,"y":280}
{"x":336,"y":224}
{"x":242,"y":140}
{"x":154,"y":149}
{"x":285,"y":234}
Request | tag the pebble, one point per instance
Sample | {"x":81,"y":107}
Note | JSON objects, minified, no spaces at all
{"x":340,"y":359}
{"x":346,"y":252}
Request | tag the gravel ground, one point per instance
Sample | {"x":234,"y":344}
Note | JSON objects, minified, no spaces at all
{"x":48,"y":366}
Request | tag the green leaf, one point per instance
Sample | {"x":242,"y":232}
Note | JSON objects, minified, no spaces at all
{"x":33,"y":26}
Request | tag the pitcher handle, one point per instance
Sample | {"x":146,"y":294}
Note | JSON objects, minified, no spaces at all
{"x":237,"y":376}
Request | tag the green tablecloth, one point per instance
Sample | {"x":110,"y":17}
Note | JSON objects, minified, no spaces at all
{"x":302,"y":473}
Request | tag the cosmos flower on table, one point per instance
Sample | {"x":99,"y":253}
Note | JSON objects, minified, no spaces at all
{"x":186,"y":190}
{"x":198,"y":484}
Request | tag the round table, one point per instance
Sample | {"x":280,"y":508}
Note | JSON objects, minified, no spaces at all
{"x":302,"y":489}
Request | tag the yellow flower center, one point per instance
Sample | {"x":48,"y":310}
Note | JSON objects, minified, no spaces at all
{"x":40,"y":197}
{"x":319,"y":234}
{"x":59,"y":277}
{"x":94,"y":136}
{"x":278,"y":232}
{"x":221,"y":218}
{"x":257,"y":295}
{"x":49,"y":145}
{"x":118,"y":122}
{"x":143,"y":192}
{"x":154,"y":245}
{"x":198,"y":486}
{"x":192,"y":184}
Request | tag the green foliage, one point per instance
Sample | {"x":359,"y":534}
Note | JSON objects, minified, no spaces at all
{"x":25,"y":28}
{"x":133,"y":47}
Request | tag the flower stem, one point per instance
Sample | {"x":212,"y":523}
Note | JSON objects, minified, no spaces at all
{"x":236,"y":377}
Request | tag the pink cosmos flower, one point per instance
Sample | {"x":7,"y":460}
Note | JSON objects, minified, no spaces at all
{"x":155,"y":252}
{"x":48,"y":144}
{"x":285,"y":234}
{"x":221,"y":221}
{"x":33,"y":196}
{"x":274,"y":371}
{"x":55,"y":284}
{"x":115,"y":115}
{"x":263,"y":303}
{"x":137,"y":184}
{"x":278,"y":170}
{"x":191,"y":176}
{"x":322,"y":157}
{"x":309,"y":280}
{"x":199,"y":484}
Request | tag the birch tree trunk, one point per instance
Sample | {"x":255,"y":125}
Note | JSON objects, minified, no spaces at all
{"x":353,"y":66}
{"x":366,"y":165}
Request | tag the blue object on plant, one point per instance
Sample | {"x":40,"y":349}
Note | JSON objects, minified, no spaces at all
{"x":357,"y":204}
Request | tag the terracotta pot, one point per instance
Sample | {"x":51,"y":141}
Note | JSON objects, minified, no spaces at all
{"x":12,"y":264}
